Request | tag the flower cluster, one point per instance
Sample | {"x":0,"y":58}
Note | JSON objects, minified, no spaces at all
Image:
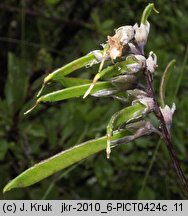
{"x":129,"y":42}
{"x":132,"y":38}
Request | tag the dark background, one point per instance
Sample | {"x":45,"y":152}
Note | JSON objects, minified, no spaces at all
{"x":37,"y":37}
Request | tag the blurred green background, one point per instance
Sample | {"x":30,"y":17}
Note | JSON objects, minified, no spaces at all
{"x":37,"y":37}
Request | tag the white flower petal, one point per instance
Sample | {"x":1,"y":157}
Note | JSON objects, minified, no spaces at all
{"x":167,"y":113}
{"x":141,"y":33}
{"x":151,"y":62}
{"x":125,"y":34}
{"x":138,"y":64}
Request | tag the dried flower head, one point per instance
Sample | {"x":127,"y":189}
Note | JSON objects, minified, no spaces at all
{"x":116,"y":43}
{"x":115,"y":47}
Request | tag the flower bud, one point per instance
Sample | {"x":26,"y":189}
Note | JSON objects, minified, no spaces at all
{"x":138,"y":129}
{"x":148,"y":102}
{"x":136,"y":93}
{"x":145,"y":100}
{"x":98,"y":58}
{"x":133,"y":49}
{"x":141,"y":33}
{"x":124,"y":82}
{"x":142,"y":128}
{"x":135,"y":63}
{"x":167,"y":113}
{"x":98,"y":55}
{"x":151,"y":62}
{"x":124,"y":34}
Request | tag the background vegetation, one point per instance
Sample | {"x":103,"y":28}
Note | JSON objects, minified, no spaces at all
{"x":37,"y":37}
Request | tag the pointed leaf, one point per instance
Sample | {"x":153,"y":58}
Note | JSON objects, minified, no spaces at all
{"x":73,"y":155}
{"x":60,"y":161}
{"x":72,"y":81}
{"x":84,"y":61}
{"x":147,"y":12}
{"x":164,"y":81}
{"x":75,"y":91}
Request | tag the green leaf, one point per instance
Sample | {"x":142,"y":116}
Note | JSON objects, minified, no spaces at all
{"x":59,"y":74}
{"x":147,"y":12}
{"x":60,"y":161}
{"x":71,"y":67}
{"x":71,"y":81}
{"x":72,"y":155}
{"x":164,"y":81}
{"x":85,"y":61}
{"x":130,"y":113}
{"x":124,"y":116}
{"x":75,"y":91}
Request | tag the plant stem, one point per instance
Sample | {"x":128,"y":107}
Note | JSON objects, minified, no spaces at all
{"x":166,"y":135}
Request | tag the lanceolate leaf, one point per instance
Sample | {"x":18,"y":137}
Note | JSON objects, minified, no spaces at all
{"x":60,"y":161}
{"x":164,"y":81}
{"x":75,"y":91}
{"x":70,"y":67}
{"x":87,"y":60}
{"x":125,"y":115}
{"x":59,"y":75}
{"x":147,"y":12}
{"x":71,"y":156}
{"x":72,"y":81}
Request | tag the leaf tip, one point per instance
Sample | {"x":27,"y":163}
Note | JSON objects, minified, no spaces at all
{"x":48,"y":78}
{"x":42,"y":88}
{"x":7,"y":188}
{"x":154,"y":8}
{"x":32,"y":108}
{"x":147,"y":12}
{"x":88,"y":91}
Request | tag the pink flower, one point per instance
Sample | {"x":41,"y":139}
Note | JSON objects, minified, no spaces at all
{"x":167,"y":113}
